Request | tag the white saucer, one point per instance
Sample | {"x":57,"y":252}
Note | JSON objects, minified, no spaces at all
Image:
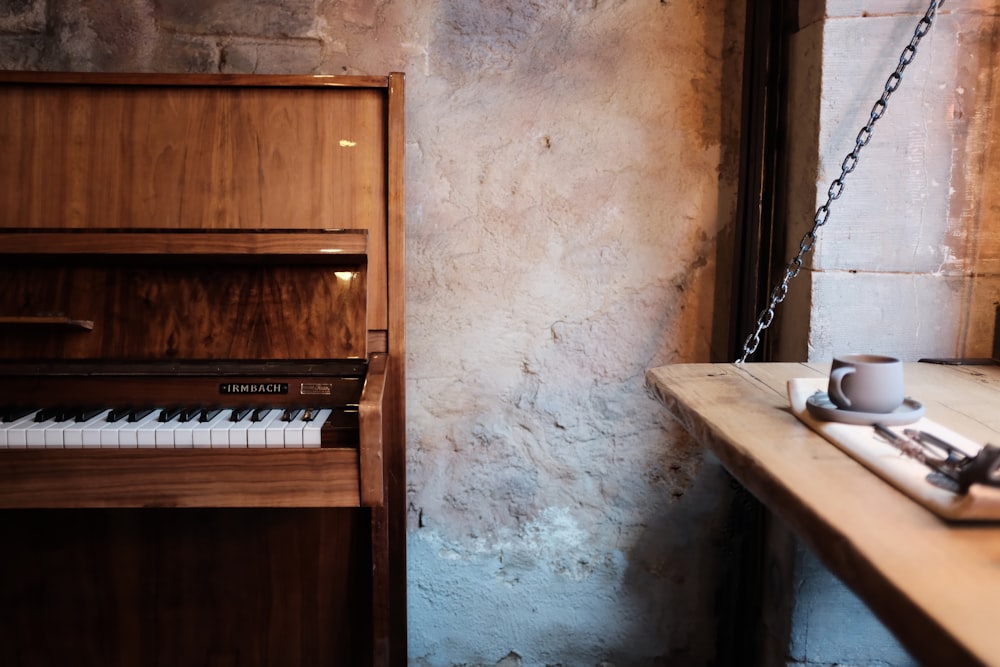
{"x":820,"y":406}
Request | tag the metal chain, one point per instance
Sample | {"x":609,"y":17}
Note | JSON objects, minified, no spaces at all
{"x":836,"y":188}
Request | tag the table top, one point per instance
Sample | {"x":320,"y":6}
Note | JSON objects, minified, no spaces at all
{"x":935,"y":584}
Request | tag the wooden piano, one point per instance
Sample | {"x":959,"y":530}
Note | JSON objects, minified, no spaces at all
{"x":201,"y":370}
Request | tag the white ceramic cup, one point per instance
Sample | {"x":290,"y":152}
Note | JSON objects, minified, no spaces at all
{"x":866,"y":383}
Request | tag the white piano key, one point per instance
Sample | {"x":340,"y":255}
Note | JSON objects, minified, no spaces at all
{"x":54,"y":434}
{"x":238,"y":431}
{"x":163,"y":432}
{"x":203,"y":433}
{"x":3,"y":434}
{"x":293,"y":431}
{"x":36,"y":433}
{"x":220,"y":433}
{"x":257,"y":431}
{"x":139,"y":432}
{"x":92,"y":432}
{"x":184,"y":433}
{"x":47,"y":433}
{"x":111,"y":433}
{"x":274,"y":434}
{"x":15,"y":432}
{"x":311,"y":432}
{"x":4,"y":425}
{"x":73,"y":434}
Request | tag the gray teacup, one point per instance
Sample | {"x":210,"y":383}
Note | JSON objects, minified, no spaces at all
{"x":866,"y":383}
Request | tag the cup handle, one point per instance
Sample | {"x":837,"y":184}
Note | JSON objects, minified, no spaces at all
{"x":836,"y":393}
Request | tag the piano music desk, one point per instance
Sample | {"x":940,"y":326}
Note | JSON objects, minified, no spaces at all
{"x":935,"y":585}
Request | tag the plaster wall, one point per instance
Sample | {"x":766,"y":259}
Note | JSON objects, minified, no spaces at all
{"x":571,"y":176}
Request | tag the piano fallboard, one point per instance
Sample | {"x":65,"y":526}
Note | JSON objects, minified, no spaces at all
{"x":333,"y":383}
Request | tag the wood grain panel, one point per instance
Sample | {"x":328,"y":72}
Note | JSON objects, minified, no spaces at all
{"x":175,"y":385}
{"x":217,"y":312}
{"x":219,"y":587}
{"x":198,"y":157}
{"x":179,"y":478}
{"x":393,"y":525}
{"x":371,"y":447}
{"x":233,"y":246}
{"x":192,"y":157}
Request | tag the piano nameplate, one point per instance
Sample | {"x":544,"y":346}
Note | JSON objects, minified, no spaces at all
{"x":259,"y":388}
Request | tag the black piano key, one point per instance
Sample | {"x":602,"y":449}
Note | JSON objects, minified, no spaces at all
{"x":308,"y":414}
{"x":169,"y":414}
{"x":117,"y":414}
{"x":289,"y":414}
{"x":136,"y":415}
{"x":10,"y":413}
{"x":208,"y":414}
{"x":189,"y":414}
{"x":46,"y":414}
{"x":259,"y":414}
{"x":87,"y":414}
{"x":239,"y":414}
{"x":128,"y":414}
{"x":67,"y":414}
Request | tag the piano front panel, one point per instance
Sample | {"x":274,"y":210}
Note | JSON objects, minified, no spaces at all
{"x":125,"y":587}
{"x":196,"y":156}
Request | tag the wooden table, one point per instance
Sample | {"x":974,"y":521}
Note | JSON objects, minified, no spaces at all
{"x":935,"y":585}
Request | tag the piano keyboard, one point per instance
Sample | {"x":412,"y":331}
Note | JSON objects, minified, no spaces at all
{"x":165,"y":428}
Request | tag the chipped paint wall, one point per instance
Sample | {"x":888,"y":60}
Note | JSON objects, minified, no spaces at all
{"x":571,"y":176}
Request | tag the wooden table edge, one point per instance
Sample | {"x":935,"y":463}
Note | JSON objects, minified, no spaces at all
{"x":916,"y":629}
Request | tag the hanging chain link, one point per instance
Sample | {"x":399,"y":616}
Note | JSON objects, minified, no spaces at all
{"x":836,"y":189}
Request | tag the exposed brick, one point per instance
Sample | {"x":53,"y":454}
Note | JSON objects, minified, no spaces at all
{"x":299,"y":57}
{"x":185,"y":53}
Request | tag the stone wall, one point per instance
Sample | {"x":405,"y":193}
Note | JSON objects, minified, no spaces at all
{"x":914,"y":228}
{"x":571,"y":174}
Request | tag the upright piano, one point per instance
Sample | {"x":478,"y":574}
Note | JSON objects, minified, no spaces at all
{"x":201,"y":370}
